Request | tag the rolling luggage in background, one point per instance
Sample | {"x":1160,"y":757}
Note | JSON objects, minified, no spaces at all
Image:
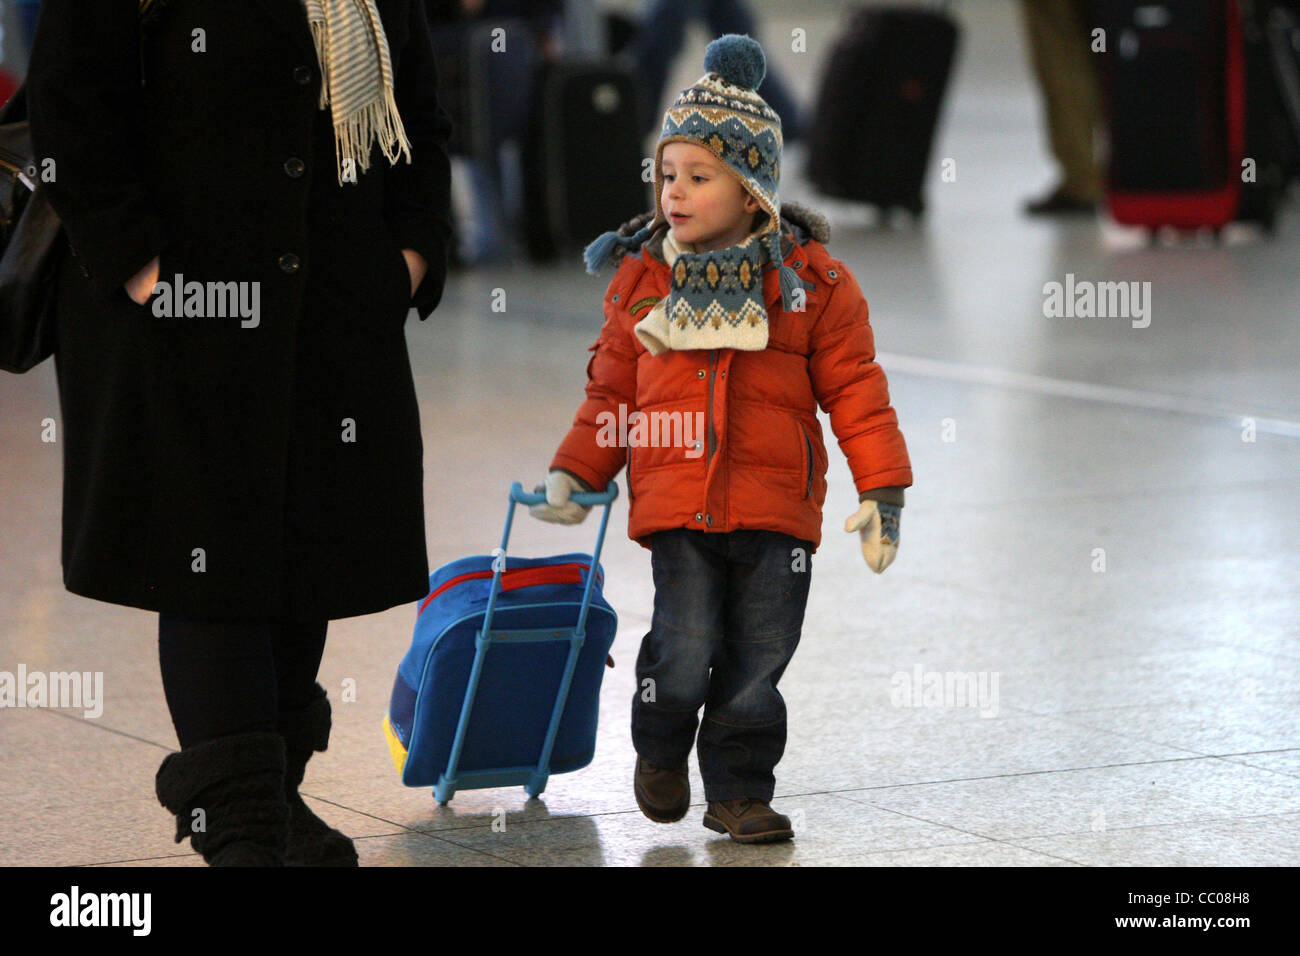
{"x":878,"y":107}
{"x":582,"y":154}
{"x":1193,"y":92}
{"x":501,"y":685}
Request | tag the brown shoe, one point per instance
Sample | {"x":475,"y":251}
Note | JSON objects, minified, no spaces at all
{"x":748,"y":821}
{"x":662,"y":793}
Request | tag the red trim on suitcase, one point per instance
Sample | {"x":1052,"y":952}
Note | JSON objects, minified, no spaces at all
{"x":511,"y":579}
{"x":1214,"y":208}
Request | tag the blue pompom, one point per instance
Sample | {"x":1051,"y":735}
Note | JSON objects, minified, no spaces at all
{"x":738,"y":59}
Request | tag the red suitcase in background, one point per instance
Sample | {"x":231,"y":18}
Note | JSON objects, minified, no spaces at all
{"x":1194,"y":88}
{"x":1175,"y":85}
{"x":8,"y":85}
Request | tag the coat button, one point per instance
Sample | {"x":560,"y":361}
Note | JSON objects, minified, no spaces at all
{"x":616,"y":296}
{"x":698,"y":516}
{"x":798,"y":265}
{"x":708,"y":520}
{"x":289,"y":263}
{"x":294,"y":167}
{"x":302,"y":75}
{"x":699,"y":373}
{"x":832,"y":273}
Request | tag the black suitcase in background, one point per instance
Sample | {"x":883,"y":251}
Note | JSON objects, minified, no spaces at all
{"x":878,"y":106}
{"x":581,"y":156}
{"x":1166,"y":87}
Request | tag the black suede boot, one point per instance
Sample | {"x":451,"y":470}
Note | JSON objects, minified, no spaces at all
{"x":228,"y":798}
{"x":312,"y":842}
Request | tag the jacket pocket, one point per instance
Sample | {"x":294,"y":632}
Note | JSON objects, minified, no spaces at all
{"x":164,"y":257}
{"x":404,"y":294}
{"x":396,"y":273}
{"x":808,"y":460}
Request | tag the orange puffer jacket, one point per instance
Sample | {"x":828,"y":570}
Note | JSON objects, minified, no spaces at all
{"x":757,"y":459}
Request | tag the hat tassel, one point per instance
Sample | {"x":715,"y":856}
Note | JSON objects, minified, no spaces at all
{"x":601,"y":250}
{"x":789,"y":279}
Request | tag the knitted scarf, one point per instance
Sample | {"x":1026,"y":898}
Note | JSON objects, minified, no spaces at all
{"x":356,"y":80}
{"x":715,"y":299}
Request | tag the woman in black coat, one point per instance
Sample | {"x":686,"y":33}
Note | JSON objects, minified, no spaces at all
{"x":242,"y":440}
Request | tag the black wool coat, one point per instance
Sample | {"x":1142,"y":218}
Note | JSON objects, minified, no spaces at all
{"x":213,"y":466}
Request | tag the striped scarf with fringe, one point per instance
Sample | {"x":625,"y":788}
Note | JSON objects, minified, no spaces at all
{"x":356,"y":80}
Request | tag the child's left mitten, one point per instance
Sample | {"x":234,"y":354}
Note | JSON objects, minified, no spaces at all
{"x":877,"y":524}
{"x":558,"y":508}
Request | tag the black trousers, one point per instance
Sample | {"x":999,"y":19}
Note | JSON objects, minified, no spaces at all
{"x":233,"y":677}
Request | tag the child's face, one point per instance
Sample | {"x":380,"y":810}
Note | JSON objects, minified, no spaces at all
{"x":716,"y":210}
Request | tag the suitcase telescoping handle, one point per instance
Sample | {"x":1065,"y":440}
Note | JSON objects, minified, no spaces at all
{"x":519,"y":496}
{"x":536,"y":776}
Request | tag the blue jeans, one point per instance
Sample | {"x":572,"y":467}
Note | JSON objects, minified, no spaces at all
{"x":731,"y":602}
{"x":660,"y":37}
{"x":27,"y":11}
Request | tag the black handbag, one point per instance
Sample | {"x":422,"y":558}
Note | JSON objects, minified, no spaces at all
{"x":32,"y":246}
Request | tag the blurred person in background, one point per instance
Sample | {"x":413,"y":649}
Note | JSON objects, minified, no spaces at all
{"x":659,"y":40}
{"x":495,"y":179}
{"x":1059,"y":34}
{"x":27,"y":11}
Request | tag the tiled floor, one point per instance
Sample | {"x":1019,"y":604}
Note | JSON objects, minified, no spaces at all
{"x":1141,"y":715}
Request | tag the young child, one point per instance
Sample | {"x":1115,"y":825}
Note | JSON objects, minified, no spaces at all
{"x":729,"y":320}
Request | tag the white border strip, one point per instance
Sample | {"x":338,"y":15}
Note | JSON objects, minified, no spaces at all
{"x":1083,"y":391}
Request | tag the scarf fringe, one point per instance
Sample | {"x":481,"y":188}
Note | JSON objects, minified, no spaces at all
{"x":377,"y":120}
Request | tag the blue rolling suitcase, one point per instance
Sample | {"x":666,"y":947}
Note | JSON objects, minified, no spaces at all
{"x":501,"y":685}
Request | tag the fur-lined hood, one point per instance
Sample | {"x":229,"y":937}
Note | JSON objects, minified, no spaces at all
{"x":799,"y":224}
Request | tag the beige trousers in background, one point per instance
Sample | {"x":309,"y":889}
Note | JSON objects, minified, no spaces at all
{"x":1059,"y":34}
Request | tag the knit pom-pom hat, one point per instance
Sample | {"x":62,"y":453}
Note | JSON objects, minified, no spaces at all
{"x":723,"y":113}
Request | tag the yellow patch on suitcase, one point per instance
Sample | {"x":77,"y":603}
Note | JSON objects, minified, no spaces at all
{"x":395,"y":745}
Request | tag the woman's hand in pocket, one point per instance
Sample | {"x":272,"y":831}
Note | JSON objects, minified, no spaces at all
{"x":415,"y":265}
{"x":141,"y":285}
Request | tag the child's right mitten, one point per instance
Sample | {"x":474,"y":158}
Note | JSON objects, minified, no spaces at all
{"x":558,"y":509}
{"x":877,"y":524}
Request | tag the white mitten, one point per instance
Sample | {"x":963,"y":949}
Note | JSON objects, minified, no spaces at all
{"x":558,"y":509}
{"x":877,"y":524}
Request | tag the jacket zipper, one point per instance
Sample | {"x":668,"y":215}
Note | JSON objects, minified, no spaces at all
{"x":713,"y":357}
{"x":807,"y":492}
